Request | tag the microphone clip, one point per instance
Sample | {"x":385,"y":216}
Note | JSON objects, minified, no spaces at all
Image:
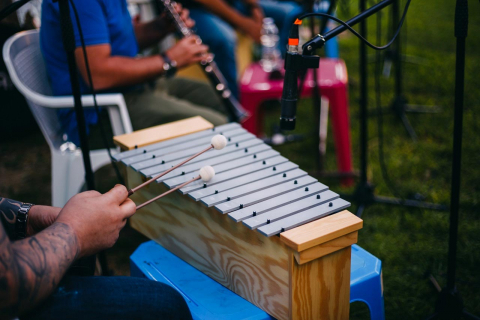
{"x":299,"y":62}
{"x":294,"y":62}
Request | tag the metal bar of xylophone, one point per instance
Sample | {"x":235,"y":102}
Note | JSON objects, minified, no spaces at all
{"x":241,"y":174}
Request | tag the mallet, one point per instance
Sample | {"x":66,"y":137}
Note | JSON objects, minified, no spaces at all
{"x":218,"y":142}
{"x":206,"y":174}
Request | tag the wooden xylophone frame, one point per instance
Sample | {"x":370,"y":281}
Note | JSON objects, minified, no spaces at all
{"x":302,"y":274}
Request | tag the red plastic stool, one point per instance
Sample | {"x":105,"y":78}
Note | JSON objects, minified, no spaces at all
{"x":256,"y":88}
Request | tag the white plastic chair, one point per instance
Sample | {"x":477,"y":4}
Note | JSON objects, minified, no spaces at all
{"x":26,"y":66}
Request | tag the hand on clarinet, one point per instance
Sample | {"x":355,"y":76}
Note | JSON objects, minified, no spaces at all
{"x":97,"y":218}
{"x":251,"y":3}
{"x":187,"y":51}
{"x":185,"y":15}
{"x":165,"y":22}
{"x":253,"y":24}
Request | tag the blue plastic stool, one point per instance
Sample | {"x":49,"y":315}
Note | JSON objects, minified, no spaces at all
{"x":207,"y":299}
{"x":366,"y":282}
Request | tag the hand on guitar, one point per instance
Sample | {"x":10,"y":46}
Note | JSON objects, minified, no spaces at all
{"x":188,"y":50}
{"x":97,"y":218}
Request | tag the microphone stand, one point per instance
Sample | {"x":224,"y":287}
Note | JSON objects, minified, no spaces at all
{"x":84,"y":266}
{"x":449,"y":303}
{"x":364,"y":195}
{"x":399,"y":105}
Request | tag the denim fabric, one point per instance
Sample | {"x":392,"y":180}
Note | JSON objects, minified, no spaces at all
{"x":112,"y":298}
{"x":220,"y":36}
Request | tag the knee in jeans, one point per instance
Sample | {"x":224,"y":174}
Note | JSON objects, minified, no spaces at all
{"x":174,"y":306}
{"x":227,"y":43}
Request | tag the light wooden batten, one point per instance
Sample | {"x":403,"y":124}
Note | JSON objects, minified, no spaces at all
{"x":321,"y":237}
{"x":162,"y":132}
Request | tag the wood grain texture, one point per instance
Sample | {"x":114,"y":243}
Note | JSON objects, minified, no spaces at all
{"x":328,"y":247}
{"x":321,"y":288}
{"x":322,"y":230}
{"x":162,"y":132}
{"x":248,"y":263}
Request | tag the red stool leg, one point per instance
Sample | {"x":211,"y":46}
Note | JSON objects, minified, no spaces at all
{"x":338,"y":101}
{"x":251,"y":102}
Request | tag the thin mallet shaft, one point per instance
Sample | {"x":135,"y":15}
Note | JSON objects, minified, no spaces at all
{"x":132,"y":191}
{"x":167,"y":192}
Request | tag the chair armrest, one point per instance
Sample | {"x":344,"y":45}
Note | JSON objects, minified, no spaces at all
{"x":115,"y":104}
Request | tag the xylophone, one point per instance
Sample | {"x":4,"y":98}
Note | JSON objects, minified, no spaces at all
{"x":255,"y":227}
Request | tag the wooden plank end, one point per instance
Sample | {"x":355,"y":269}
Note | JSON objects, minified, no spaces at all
{"x":326,"y":248}
{"x":321,"y":230}
{"x":161,"y":132}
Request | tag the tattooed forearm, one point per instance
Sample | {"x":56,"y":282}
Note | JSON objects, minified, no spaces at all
{"x":30,"y":269}
{"x":8,"y":215}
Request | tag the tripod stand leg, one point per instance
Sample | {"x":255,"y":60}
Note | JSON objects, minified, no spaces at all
{"x":360,"y":209}
{"x":410,"y":203}
{"x":468,"y":315}
{"x":415,"y":108}
{"x":408,"y":126}
{"x":435,"y":283}
{"x":433,"y":316}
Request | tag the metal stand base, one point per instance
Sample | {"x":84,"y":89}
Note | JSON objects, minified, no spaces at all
{"x":399,"y":107}
{"x":449,"y":306}
{"x":364,"y":196}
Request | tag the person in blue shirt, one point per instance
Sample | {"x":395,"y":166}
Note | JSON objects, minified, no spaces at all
{"x":227,"y":16}
{"x":113,"y":43}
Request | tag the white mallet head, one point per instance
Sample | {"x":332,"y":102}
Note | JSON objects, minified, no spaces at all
{"x":218,"y":142}
{"x":207,"y":173}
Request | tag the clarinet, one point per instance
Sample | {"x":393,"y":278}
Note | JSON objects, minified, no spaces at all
{"x":235,"y":111}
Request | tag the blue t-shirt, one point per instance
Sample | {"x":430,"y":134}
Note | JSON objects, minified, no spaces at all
{"x":102,"y":22}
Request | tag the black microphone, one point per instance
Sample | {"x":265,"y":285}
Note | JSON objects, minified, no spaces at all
{"x":290,"y":82}
{"x":294,"y":62}
{"x":290,"y":93}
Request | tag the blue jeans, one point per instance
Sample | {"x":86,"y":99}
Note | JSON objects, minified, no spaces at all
{"x":111,"y":298}
{"x":220,"y":36}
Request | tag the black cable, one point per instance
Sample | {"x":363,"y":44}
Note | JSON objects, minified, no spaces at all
{"x":303,"y":74}
{"x":359,"y":35}
{"x":94,"y":95}
{"x":381,"y":154}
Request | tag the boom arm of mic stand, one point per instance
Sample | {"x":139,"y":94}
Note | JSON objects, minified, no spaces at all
{"x":295,"y":62}
{"x":318,"y":41}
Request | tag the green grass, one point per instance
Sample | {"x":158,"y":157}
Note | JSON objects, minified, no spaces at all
{"x":411,"y":243}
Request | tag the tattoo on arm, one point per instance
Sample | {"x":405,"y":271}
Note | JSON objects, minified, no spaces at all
{"x":8,"y":215}
{"x":31,"y":269}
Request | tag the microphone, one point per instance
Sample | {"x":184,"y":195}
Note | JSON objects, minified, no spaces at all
{"x":294,"y":62}
{"x":290,"y":82}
